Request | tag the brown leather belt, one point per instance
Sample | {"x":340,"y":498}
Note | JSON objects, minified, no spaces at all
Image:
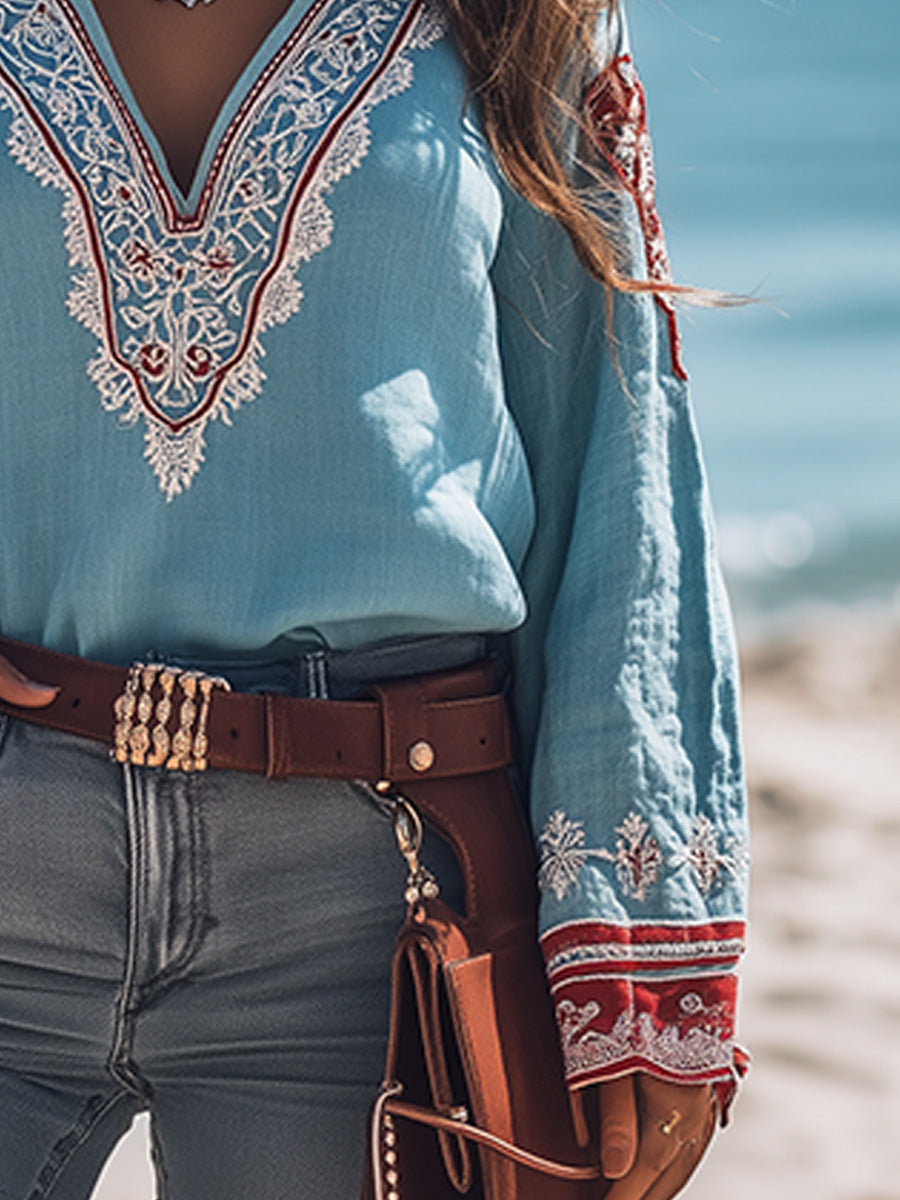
{"x":431,"y":726}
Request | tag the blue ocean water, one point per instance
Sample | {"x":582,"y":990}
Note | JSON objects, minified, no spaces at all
{"x":777,"y":132}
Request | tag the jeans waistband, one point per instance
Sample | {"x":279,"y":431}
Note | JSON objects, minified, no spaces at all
{"x":322,"y":674}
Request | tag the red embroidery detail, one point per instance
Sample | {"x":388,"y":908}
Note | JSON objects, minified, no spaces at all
{"x":617,"y":107}
{"x":154,"y":359}
{"x":142,"y":260}
{"x":199,"y":361}
{"x":648,"y":997}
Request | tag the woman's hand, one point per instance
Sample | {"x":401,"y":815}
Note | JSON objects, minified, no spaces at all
{"x":652,"y":1134}
{"x":16,"y":688}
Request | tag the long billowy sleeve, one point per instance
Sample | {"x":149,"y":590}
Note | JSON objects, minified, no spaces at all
{"x":625,"y":678}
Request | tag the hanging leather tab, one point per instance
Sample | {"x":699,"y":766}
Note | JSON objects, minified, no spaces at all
{"x":405,"y":729}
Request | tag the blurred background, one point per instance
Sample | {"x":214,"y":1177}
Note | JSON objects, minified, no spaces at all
{"x":778,"y":154}
{"x":777,"y":133}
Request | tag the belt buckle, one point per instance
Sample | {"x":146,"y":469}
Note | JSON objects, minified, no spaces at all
{"x":151,"y":694}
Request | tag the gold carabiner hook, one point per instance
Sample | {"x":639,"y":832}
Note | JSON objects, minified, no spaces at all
{"x":409,"y":832}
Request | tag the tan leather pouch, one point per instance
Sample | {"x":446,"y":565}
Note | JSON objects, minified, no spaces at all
{"x":474,"y":1102}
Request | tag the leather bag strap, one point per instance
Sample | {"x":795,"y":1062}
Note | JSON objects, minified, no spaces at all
{"x":572,"y":1172}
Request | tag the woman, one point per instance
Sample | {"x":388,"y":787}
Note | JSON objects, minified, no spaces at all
{"x":317,"y":367}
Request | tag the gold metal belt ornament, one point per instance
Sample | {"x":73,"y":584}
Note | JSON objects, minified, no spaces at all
{"x":151,"y":694}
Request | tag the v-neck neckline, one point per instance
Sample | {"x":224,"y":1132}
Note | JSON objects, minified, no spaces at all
{"x":179,"y":300}
{"x":187,"y":203}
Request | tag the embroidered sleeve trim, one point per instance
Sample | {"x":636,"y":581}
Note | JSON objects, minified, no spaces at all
{"x":617,"y":111}
{"x":617,"y":1010}
{"x":636,"y":855}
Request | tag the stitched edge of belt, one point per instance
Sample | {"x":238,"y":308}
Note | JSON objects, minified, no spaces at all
{"x":432,"y":726}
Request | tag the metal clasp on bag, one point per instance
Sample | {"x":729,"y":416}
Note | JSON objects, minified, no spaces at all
{"x":151,"y":694}
{"x":421,"y":883}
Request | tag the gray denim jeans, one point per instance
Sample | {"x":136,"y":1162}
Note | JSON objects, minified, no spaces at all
{"x":211,"y":947}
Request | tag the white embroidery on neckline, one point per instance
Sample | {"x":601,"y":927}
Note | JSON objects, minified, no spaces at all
{"x":178,"y":303}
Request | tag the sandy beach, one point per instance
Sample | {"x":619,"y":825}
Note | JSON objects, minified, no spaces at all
{"x":819,"y":1115}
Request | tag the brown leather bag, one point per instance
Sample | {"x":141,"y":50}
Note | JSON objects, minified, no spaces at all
{"x":473,"y":1102}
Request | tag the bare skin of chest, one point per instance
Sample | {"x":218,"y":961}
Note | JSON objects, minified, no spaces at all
{"x":182,"y":63}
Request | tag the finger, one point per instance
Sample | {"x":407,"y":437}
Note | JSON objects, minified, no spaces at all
{"x":18,"y":689}
{"x":618,"y":1126}
{"x":580,"y":1125}
{"x":685,"y":1163}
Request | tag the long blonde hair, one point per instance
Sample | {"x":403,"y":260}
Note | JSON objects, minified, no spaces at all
{"x":527,"y":63}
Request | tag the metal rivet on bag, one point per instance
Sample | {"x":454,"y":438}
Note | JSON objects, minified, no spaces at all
{"x":421,"y":756}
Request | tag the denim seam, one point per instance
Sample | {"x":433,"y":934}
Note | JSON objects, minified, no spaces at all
{"x":119,"y":1062}
{"x":200,"y":920}
{"x":135,"y":995}
{"x":91,"y":1115}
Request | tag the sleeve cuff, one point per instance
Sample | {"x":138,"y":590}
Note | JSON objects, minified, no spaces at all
{"x":655,"y":998}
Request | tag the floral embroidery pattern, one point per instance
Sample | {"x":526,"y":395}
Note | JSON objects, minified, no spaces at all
{"x":617,"y":108}
{"x":703,"y":855}
{"x":178,"y":303}
{"x":637,"y":855}
{"x":563,"y":854}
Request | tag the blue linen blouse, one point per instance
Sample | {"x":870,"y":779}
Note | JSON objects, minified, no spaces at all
{"x":353,"y":387}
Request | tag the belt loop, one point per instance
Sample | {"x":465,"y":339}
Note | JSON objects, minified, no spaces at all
{"x":278,"y":733}
{"x":408,"y":751}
